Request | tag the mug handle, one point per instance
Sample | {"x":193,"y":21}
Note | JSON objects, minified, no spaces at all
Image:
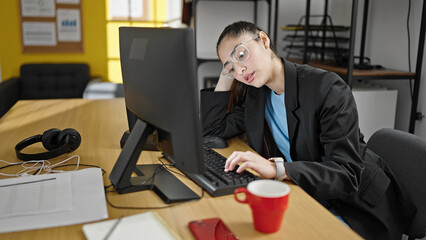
{"x":241,"y":190}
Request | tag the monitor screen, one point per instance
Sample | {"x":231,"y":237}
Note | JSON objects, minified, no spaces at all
{"x":160,"y":89}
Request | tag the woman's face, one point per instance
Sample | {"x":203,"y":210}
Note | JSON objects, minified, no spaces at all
{"x":246,"y":58}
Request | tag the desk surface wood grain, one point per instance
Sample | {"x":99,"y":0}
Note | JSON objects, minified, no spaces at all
{"x":101,"y":124}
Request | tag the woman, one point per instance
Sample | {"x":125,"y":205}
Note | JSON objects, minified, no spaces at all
{"x":303,"y":123}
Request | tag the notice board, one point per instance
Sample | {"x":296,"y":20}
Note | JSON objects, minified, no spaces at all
{"x":51,"y":26}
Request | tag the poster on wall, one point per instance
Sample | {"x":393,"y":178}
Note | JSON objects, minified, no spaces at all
{"x":60,"y":32}
{"x":38,"y":8}
{"x":69,"y":25}
{"x":39,"y":34}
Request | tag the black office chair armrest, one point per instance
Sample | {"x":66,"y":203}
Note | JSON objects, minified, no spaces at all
{"x":9,"y":94}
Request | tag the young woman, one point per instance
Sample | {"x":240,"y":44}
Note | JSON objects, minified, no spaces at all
{"x":303,"y":123}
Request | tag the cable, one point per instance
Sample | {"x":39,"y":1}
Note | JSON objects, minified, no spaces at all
{"x":151,"y":178}
{"x":133,"y":207}
{"x":37,"y":166}
{"x":49,"y":168}
{"x":168,"y":169}
{"x":18,"y":174}
{"x":81,"y":164}
{"x":147,"y":208}
{"x":409,"y":47}
{"x":142,"y":183}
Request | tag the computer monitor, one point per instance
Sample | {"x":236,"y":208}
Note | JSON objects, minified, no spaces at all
{"x":160,"y":89}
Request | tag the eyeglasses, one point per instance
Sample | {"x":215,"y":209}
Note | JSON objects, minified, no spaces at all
{"x":240,"y":54}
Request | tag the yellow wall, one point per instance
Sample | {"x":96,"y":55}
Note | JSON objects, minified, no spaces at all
{"x":94,"y":37}
{"x":94,"y":23}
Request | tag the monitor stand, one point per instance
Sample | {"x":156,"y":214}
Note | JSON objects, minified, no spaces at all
{"x":150,"y":177}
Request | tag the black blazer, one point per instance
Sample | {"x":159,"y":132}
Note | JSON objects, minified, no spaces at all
{"x":331,"y":161}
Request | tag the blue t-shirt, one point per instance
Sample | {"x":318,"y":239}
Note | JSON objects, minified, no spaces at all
{"x":276,"y":118}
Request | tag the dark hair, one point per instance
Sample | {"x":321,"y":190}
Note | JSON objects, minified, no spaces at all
{"x":234,"y":30}
{"x":237,"y":29}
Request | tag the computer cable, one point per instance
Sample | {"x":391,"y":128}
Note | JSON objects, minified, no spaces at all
{"x":148,"y":208}
{"x":145,"y":208}
{"x":168,"y":169}
{"x":151,"y":178}
{"x":81,"y":164}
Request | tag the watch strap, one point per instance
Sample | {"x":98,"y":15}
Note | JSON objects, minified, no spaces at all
{"x":279,"y":164}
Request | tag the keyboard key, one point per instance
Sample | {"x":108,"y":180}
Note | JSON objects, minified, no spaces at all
{"x":224,"y":182}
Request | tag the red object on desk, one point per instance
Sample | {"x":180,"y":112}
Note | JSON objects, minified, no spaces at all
{"x":211,"y":229}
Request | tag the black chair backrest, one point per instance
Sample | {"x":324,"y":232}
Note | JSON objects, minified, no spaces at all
{"x":405,"y":154}
{"x":53,"y":80}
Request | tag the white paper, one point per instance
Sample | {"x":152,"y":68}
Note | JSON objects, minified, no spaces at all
{"x":131,"y":227}
{"x":39,"y":34}
{"x":69,"y":26}
{"x":30,"y":196}
{"x":88,"y":204}
{"x":68,"y":1}
{"x":120,"y":9}
{"x":38,"y":8}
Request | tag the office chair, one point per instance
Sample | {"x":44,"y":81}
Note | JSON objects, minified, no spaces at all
{"x":45,"y":81}
{"x":405,"y":154}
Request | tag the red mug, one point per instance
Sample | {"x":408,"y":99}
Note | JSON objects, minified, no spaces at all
{"x":268,"y":200}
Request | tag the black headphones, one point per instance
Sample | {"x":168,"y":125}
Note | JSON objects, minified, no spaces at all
{"x":56,"y":141}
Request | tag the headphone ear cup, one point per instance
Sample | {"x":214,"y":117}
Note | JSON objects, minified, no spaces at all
{"x":71,"y":137}
{"x":49,"y":139}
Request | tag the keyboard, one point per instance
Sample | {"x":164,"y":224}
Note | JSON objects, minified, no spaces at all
{"x":216,"y":181}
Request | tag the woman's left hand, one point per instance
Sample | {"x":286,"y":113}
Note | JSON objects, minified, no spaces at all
{"x":251,"y":160}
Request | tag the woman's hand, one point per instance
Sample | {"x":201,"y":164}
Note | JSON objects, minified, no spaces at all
{"x":251,"y":160}
{"x":223,"y":84}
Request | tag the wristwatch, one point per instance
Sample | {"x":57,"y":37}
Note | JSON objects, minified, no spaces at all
{"x":279,"y":164}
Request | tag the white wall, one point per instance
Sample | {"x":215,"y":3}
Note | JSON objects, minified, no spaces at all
{"x":376,"y":107}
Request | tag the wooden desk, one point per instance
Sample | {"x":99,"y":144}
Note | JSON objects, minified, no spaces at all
{"x":101,"y":124}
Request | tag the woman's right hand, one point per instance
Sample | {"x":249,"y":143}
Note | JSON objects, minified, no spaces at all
{"x":223,"y":84}
{"x":248,"y":159}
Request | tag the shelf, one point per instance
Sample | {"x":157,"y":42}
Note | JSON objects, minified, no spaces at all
{"x":360,"y":74}
{"x":295,"y":27}
{"x":330,"y":51}
{"x":318,"y":39}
